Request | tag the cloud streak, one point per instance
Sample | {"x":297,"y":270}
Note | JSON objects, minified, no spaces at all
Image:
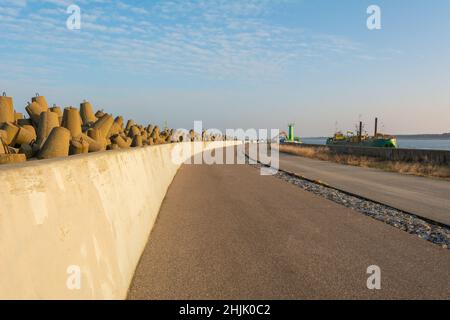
{"x":214,"y":39}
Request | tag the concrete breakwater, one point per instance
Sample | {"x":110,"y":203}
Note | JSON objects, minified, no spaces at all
{"x":51,"y":132}
{"x":90,"y":214}
{"x":435,"y":157}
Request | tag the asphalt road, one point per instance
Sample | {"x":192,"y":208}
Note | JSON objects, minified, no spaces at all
{"x":426,"y":197}
{"x":225,"y":232}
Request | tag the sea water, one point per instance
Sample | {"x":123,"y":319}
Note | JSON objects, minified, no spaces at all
{"x":428,"y":144}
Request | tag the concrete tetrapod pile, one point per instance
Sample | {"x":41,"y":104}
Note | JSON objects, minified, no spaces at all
{"x":50,"y":132}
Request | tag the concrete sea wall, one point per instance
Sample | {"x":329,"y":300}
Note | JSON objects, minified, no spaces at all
{"x":90,"y":214}
{"x":438,"y":157}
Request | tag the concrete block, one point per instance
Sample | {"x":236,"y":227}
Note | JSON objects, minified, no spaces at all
{"x":58,"y":111}
{"x":18,"y":116}
{"x":24,"y":122}
{"x":113,"y":146}
{"x":97,"y":144}
{"x":25,"y":136}
{"x":57,"y":144}
{"x":3,"y":145}
{"x":34,"y":110}
{"x":11,"y":130}
{"x":87,"y":113}
{"x":150,"y":129}
{"x":121,"y":142}
{"x":78,"y":146}
{"x":3,"y":135}
{"x":7,"y":100}
{"x":47,"y":121}
{"x":119,"y":121}
{"x":12,"y":150}
{"x":72,"y":121}
{"x":94,"y":134}
{"x":130,"y":124}
{"x":156,"y":136}
{"x":27,"y":150}
{"x":41,"y":100}
{"x":103,"y":125}
{"x":36,"y":148}
{"x":133,"y":132}
{"x":6,"y":109}
{"x":31,"y":129}
{"x":12,"y":158}
{"x":99,"y":114}
{"x":137,"y":141}
{"x":117,"y":126}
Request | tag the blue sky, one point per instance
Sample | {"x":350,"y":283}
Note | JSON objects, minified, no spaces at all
{"x":236,"y":63}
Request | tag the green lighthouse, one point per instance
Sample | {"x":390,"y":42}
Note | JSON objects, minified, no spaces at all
{"x":291,"y":133}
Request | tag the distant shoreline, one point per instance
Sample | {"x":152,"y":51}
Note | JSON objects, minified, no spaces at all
{"x":444,"y":136}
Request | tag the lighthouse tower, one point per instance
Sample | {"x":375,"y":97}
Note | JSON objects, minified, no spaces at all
{"x":291,"y":134}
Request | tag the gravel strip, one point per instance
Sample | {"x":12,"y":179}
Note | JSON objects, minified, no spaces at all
{"x":433,"y":232}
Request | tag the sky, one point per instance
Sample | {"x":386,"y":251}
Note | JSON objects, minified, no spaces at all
{"x":236,"y":63}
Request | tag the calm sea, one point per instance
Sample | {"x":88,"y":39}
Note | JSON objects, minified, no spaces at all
{"x":430,"y":144}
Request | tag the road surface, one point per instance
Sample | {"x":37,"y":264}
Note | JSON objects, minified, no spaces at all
{"x":426,"y":197}
{"x":225,"y":232}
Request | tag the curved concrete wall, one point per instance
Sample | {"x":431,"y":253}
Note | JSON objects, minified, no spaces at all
{"x":93,"y":211}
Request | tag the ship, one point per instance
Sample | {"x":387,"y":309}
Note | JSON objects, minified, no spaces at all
{"x":378,"y":140}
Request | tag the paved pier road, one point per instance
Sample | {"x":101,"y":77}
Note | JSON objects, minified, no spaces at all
{"x":426,"y":197}
{"x":225,"y":232}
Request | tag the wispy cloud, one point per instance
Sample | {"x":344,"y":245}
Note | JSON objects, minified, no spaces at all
{"x":124,"y":6}
{"x":14,"y":3}
{"x":218,"y":39}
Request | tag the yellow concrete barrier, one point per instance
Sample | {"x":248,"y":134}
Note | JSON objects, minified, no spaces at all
{"x":91,"y":214}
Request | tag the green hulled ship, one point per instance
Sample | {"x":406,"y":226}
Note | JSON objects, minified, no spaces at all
{"x":378,"y":140}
